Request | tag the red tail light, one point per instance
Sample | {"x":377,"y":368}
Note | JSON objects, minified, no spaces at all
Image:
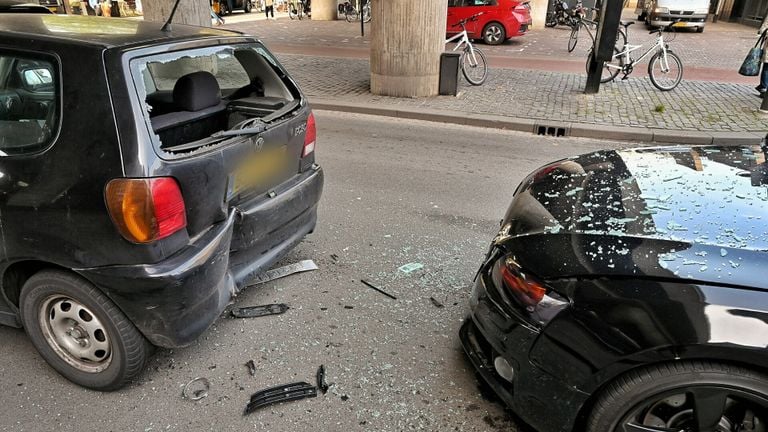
{"x":525,"y":288}
{"x":146,"y":210}
{"x":310,"y":137}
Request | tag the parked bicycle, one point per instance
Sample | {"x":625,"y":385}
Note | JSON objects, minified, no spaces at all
{"x":298,"y":9}
{"x":351,"y":14}
{"x":580,"y":21}
{"x":664,"y":69}
{"x":559,"y":13}
{"x":473,"y":64}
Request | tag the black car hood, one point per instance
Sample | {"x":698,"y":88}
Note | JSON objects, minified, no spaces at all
{"x":699,"y":213}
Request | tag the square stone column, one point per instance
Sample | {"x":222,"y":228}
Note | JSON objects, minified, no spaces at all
{"x":407,"y":38}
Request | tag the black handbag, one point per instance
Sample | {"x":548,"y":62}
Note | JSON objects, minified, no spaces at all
{"x":751,"y":64}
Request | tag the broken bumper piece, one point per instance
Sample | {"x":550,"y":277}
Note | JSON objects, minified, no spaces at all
{"x":281,"y":393}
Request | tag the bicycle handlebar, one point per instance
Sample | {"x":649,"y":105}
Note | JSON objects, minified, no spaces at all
{"x":468,"y":19}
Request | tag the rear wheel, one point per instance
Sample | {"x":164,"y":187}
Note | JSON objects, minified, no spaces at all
{"x":494,"y":34}
{"x":292,"y":12}
{"x":574,"y":39}
{"x":80,"y":332}
{"x":665,"y":74}
{"x":610,"y":68}
{"x":696,"y":396}
{"x":367,"y":13}
{"x":474,"y":67}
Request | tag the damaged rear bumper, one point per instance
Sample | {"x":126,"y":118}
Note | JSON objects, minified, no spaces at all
{"x":541,"y":400}
{"x":176,"y":300}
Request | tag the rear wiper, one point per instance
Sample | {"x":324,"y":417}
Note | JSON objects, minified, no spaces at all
{"x":235,"y":132}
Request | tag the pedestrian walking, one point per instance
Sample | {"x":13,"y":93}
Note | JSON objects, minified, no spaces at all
{"x":269,"y":8}
{"x":763,"y":86}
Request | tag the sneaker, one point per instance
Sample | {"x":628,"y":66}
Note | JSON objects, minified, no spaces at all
{"x":760,"y":88}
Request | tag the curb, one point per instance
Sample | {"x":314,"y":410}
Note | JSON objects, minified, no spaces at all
{"x":544,"y":127}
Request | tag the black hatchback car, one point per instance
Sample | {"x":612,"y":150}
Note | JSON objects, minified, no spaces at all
{"x":145,"y":177}
{"x":627,"y":292}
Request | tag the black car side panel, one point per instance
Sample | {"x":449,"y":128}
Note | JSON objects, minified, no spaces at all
{"x":614,"y":325}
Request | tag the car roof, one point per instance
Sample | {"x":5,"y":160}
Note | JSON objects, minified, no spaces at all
{"x":104,"y":32}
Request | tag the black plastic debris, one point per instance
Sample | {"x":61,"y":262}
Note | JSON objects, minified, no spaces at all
{"x":196,"y":389}
{"x":436,"y":303}
{"x":259,"y":311}
{"x":321,"y":383}
{"x":251,"y":367}
{"x":281,"y":393}
{"x":370,"y":285}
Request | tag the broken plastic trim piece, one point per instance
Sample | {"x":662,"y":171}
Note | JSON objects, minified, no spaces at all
{"x":321,"y":383}
{"x":259,"y":311}
{"x":281,"y":393}
{"x":196,"y":395}
{"x":370,"y":285}
{"x":281,"y":272}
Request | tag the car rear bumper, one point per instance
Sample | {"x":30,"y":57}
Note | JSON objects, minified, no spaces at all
{"x":541,"y":400}
{"x":175,"y":301}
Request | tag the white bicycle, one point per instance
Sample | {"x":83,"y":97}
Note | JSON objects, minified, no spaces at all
{"x":665,"y":69}
{"x":474,"y":66}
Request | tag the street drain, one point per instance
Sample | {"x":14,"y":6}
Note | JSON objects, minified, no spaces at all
{"x":554,"y":131}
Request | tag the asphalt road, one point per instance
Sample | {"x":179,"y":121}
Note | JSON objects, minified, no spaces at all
{"x":397,"y":192}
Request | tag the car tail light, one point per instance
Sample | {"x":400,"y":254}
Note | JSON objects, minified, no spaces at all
{"x":310,"y":137}
{"x":523,"y":287}
{"x":146,"y":210}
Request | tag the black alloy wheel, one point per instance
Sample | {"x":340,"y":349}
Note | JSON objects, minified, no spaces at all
{"x":684,"y":397}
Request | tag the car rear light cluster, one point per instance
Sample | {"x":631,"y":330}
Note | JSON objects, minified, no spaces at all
{"x":146,"y":210}
{"x":523,"y":287}
{"x":310,"y":137}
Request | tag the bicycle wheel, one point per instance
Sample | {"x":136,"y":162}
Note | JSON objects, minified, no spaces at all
{"x":610,"y":68}
{"x":367,"y":13}
{"x":292,"y":13}
{"x":665,"y":74}
{"x":350,"y":15}
{"x":574,"y":39}
{"x":300,"y":13}
{"x":621,"y":39}
{"x":474,"y":67}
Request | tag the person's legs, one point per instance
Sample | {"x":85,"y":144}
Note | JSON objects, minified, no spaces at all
{"x":230,"y":7}
{"x":763,"y":79}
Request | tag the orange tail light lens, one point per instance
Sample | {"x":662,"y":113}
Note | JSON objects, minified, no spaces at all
{"x":146,"y":210}
{"x":310,"y":137}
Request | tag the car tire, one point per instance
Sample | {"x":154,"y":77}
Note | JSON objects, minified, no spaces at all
{"x":671,"y":396}
{"x":80,"y":332}
{"x":700,"y":29}
{"x":494,"y":34}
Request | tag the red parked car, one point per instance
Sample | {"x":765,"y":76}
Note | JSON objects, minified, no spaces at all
{"x":501,"y":19}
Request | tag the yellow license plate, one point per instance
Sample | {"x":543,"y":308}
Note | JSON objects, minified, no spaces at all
{"x":257,"y":170}
{"x":679,"y":24}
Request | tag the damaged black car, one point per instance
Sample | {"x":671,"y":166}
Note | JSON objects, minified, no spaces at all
{"x":626,"y":292}
{"x":145,"y":177}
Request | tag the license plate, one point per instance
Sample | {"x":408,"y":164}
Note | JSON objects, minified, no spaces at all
{"x":257,"y":170}
{"x":679,"y":24}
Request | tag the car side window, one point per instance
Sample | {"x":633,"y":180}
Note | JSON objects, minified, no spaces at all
{"x":481,"y":2}
{"x":29,"y":108}
{"x":455,"y":3}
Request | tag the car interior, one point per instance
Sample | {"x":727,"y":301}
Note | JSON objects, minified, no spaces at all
{"x":28,"y":109}
{"x":190,"y":98}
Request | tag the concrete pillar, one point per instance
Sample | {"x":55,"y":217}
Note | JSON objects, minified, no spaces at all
{"x":194,"y":12}
{"x":539,"y":13}
{"x":324,"y":10}
{"x":407,"y":38}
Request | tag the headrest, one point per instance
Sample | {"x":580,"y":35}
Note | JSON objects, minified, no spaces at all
{"x":196,"y":91}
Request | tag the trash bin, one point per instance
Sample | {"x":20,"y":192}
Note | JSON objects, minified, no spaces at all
{"x":449,"y":73}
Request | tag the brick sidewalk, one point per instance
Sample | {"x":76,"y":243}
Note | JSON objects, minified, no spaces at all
{"x":551,"y":97}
